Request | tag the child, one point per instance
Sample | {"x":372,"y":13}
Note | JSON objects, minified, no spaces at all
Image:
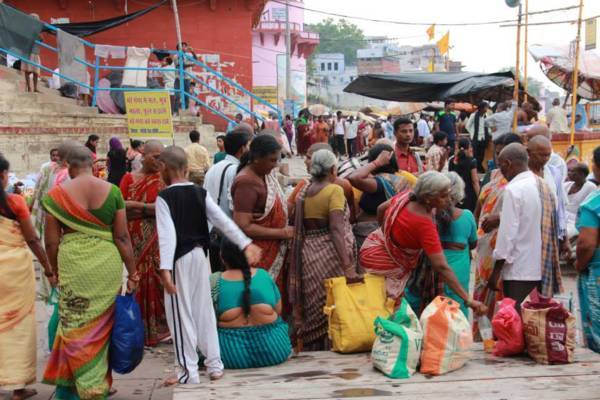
{"x":182,"y":214}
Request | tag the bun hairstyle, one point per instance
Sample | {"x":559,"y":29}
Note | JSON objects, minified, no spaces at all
{"x":260,"y":147}
{"x":392,"y":167}
{"x":233,"y":258}
{"x":4,"y":207}
{"x":322,"y":162}
{"x":464,"y":144}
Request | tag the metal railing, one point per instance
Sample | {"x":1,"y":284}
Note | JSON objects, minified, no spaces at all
{"x":179,"y":69}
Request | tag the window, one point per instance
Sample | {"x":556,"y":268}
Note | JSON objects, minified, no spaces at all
{"x":335,"y":66}
{"x":328,"y":66}
{"x":322,"y":66}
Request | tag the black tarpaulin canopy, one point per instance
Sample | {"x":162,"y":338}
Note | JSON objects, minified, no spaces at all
{"x":470,"y":87}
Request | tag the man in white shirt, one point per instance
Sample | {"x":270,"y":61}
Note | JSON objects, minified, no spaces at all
{"x":555,"y":159}
{"x":339,"y":134}
{"x":388,"y":128}
{"x":518,"y":251}
{"x":219,"y":178}
{"x":423,"y":128}
{"x":557,"y":119}
{"x":502,"y":121}
{"x":351,"y":134}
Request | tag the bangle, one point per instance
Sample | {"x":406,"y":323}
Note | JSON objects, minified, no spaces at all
{"x":144,"y":209}
{"x":135,"y":277}
{"x":375,"y":164}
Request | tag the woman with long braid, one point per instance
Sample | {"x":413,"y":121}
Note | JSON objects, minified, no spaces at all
{"x":248,"y":307}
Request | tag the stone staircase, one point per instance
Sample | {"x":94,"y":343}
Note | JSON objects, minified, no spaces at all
{"x":33,"y":123}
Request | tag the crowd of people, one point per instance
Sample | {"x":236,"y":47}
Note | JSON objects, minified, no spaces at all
{"x":231,"y":267}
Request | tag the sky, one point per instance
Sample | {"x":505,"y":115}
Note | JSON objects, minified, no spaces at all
{"x":481,"y":48}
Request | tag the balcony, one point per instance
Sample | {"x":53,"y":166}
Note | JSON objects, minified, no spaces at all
{"x":302,"y":42}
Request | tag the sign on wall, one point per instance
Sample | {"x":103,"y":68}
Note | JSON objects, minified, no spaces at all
{"x":149,"y":115}
{"x":267,"y":93}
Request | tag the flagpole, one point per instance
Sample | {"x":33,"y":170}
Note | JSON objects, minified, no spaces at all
{"x":517,"y":68}
{"x":525,"y":85}
{"x":575,"y":79}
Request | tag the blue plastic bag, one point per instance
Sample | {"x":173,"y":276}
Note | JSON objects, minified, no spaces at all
{"x":127,"y":338}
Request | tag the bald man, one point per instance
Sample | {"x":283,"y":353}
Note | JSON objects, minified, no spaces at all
{"x":527,"y":208}
{"x":539,"y":149}
{"x":555,"y":159}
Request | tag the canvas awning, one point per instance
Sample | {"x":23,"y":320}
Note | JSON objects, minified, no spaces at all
{"x":470,"y":87}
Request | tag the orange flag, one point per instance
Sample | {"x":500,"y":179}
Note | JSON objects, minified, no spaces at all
{"x":444,"y":43}
{"x":431,"y":32}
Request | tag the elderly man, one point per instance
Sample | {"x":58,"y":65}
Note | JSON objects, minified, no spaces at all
{"x":526,"y":250}
{"x":540,"y":152}
{"x":555,"y":159}
{"x":556,"y":117}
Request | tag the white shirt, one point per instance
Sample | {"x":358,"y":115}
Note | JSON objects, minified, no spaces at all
{"x":502,"y":121}
{"x":212,"y":179}
{"x":575,"y":199}
{"x":557,"y":162}
{"x":519,"y":240}
{"x":339,"y":126}
{"x":557,"y":120}
{"x":423,"y":128}
{"x":352,"y":131}
{"x":388,"y":128}
{"x":167,"y":236}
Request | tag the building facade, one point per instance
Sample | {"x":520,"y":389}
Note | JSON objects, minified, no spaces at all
{"x":220,"y":31}
{"x":269,"y":49}
{"x":381,"y":59}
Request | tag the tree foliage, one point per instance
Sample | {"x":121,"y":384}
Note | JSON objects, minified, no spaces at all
{"x":338,"y":37}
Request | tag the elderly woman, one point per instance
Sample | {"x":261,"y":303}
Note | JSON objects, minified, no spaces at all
{"x":247,"y":304}
{"x":458,"y":233}
{"x":259,"y":206}
{"x":88,"y":243}
{"x":407,"y":230}
{"x":378,"y":182}
{"x":324,"y":247}
{"x":140,"y":190}
{"x":17,"y":308}
{"x":588,"y":263}
{"x":343,"y":183}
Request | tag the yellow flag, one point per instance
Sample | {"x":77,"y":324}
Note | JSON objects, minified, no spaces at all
{"x":430,"y":67}
{"x":444,"y":43}
{"x":431,"y":32}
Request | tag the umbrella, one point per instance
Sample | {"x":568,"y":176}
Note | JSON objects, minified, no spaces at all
{"x":404,"y":108}
{"x":318,"y":109}
{"x":557,"y":63}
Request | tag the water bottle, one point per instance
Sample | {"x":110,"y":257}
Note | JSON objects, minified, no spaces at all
{"x":485,"y":331}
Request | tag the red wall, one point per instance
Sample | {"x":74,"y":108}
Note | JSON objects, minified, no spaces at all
{"x":225,"y":29}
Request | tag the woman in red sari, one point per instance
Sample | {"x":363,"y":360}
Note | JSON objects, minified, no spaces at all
{"x":407,"y":230}
{"x":140,"y":190}
{"x":259,"y":206}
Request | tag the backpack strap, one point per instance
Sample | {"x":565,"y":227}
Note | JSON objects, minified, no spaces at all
{"x":221,"y":183}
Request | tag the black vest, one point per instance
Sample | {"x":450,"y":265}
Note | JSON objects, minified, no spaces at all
{"x":187,"y":205}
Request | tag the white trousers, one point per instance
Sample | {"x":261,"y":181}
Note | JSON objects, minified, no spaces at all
{"x":191,"y":317}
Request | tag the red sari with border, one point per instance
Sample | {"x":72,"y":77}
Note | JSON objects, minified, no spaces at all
{"x":144,"y":239}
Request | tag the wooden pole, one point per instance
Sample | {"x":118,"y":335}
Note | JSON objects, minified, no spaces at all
{"x":525,"y":50}
{"x":517,"y":69}
{"x":575,"y":79}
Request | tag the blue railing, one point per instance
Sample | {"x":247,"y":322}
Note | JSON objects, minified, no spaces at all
{"x":178,"y":69}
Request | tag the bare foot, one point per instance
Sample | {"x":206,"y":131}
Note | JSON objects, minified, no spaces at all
{"x":170,"y":381}
{"x":112,"y":392}
{"x":215,"y":376}
{"x":23,"y":394}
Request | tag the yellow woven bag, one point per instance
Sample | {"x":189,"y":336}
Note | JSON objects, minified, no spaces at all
{"x":352,"y":309}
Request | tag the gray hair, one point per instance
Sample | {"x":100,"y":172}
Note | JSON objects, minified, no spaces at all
{"x":430,"y":184}
{"x":322,"y":162}
{"x":457,"y":187}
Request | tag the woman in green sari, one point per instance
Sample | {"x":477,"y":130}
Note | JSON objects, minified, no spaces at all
{"x":87,"y":241}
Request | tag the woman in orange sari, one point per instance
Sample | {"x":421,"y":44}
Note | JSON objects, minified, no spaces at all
{"x":259,"y":206}
{"x":140,"y":190}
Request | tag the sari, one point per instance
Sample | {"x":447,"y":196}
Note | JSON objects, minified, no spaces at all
{"x":491,"y":204}
{"x":314,"y":259}
{"x":17,"y":309}
{"x":380,"y":255}
{"x":274,"y":216}
{"x":303,"y":135}
{"x":90,"y":270}
{"x":43,"y":185}
{"x":144,"y":238}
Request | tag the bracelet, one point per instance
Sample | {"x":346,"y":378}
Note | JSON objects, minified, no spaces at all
{"x":144,"y":210}
{"x":375,"y":164}
{"x":135,"y":277}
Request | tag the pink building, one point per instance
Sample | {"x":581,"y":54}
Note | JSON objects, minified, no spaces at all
{"x":268,"y":53}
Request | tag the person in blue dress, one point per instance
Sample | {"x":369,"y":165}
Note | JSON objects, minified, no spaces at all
{"x":588,"y":262}
{"x":458,"y":233}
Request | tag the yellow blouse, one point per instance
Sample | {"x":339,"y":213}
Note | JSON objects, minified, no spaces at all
{"x":330,"y":198}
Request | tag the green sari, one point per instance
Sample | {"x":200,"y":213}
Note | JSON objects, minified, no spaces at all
{"x":90,"y":275}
